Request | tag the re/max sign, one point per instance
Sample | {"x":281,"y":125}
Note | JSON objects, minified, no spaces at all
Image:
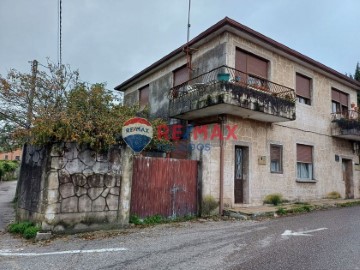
{"x":205,"y":132}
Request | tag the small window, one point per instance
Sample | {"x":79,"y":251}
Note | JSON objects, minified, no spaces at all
{"x":144,"y":96}
{"x":304,"y":161}
{"x":276,"y":158}
{"x":6,"y":157}
{"x":303,"y":89}
{"x":17,"y":157}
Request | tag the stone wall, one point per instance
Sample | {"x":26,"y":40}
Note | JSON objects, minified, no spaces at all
{"x":68,"y":187}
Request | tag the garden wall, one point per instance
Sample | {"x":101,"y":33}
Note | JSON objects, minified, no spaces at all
{"x":65,"y":187}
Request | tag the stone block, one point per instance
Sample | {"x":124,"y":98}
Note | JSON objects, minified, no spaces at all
{"x":53,"y":208}
{"x":115,"y":191}
{"x":80,"y":191}
{"x":53,"y":180}
{"x":84,"y":204}
{"x":88,"y":157}
{"x":64,"y":177}
{"x":95,"y":192}
{"x":59,"y":228}
{"x":69,"y":205}
{"x":95,"y":180}
{"x":70,"y":151}
{"x":112,"y":202}
{"x":105,"y":192}
{"x":56,"y":163}
{"x":101,"y":167}
{"x":67,"y":190}
{"x":98,"y":204}
{"x":52,"y":196}
{"x":57,"y":150}
{"x":118,"y":180}
{"x":75,"y":166}
{"x":109,"y":180}
{"x":79,"y":179}
{"x":42,"y":236}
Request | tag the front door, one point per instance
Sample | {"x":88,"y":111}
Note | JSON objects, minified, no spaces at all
{"x":348,"y":178}
{"x":239,"y":174}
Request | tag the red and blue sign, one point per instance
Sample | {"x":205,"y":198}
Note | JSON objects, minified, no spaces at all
{"x":137,"y":133}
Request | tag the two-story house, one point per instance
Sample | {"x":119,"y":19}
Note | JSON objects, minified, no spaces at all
{"x":285,"y":121}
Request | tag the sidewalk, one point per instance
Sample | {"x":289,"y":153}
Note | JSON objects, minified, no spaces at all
{"x":270,"y":210}
{"x":7,"y":193}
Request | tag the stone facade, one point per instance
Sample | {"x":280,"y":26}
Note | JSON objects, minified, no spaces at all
{"x":312,"y":125}
{"x":68,"y":187}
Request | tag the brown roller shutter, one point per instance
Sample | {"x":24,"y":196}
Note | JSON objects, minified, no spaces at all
{"x":335,"y":95}
{"x":144,"y":96}
{"x":303,"y":86}
{"x":257,"y":66}
{"x":304,"y":153}
{"x":275,"y":152}
{"x":181,"y":75}
{"x":344,"y":99}
{"x":240,"y":61}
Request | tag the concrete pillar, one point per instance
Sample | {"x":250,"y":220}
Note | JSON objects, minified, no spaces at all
{"x":125,"y":192}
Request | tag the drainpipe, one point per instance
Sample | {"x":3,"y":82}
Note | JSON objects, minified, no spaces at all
{"x":221,"y":207}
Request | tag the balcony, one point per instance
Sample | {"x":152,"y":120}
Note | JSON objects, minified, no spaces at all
{"x":346,"y":125}
{"x":225,"y":90}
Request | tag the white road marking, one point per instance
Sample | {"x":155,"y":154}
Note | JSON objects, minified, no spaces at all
{"x":9,"y":253}
{"x":304,"y":233}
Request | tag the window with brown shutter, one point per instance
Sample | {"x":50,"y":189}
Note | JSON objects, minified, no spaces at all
{"x":181,"y":75}
{"x":304,"y":161}
{"x":251,"y":64}
{"x":144,"y":96}
{"x":303,"y":89}
{"x":275,"y":158}
{"x":340,"y":101}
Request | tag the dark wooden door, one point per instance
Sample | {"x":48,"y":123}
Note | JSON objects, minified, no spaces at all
{"x":347,"y":178}
{"x":239,"y":175}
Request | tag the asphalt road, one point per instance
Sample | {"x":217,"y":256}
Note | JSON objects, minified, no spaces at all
{"x":7,"y":193}
{"x":319,"y":240}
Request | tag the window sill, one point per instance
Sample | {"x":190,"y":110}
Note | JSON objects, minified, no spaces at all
{"x":306,"y":180}
{"x":280,"y":172}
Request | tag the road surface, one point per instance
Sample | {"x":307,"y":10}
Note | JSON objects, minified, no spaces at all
{"x":7,"y":193}
{"x":318,"y":240}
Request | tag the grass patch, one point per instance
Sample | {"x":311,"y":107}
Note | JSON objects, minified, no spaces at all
{"x":333,"y":195}
{"x":158,"y":219}
{"x":348,"y":204}
{"x":274,"y":199}
{"x":209,"y":204}
{"x":26,"y":229}
{"x":281,"y":211}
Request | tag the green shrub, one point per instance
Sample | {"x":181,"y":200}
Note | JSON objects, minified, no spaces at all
{"x":134,"y":219}
{"x":281,"y":211}
{"x":333,"y":195}
{"x":30,"y":232}
{"x":153,"y":219}
{"x":274,"y":199}
{"x":20,"y":227}
{"x":209,"y":204}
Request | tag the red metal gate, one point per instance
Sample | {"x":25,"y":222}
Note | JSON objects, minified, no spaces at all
{"x":164,"y":186}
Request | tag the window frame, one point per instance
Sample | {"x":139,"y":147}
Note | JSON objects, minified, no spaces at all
{"x":302,"y":98}
{"x":141,"y":90}
{"x":309,"y":165}
{"x":281,"y":169}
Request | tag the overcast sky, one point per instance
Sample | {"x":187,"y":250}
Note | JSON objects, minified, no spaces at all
{"x":111,"y":40}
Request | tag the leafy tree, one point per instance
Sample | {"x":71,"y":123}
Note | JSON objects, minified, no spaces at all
{"x":357,"y":72}
{"x":7,"y":167}
{"x":61,"y":108}
{"x":25,"y":97}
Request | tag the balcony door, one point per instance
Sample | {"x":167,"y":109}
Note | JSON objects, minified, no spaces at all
{"x":253,"y":69}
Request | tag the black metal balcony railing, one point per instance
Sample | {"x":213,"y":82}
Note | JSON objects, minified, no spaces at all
{"x":225,"y":74}
{"x":226,"y":85}
{"x":347,"y":120}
